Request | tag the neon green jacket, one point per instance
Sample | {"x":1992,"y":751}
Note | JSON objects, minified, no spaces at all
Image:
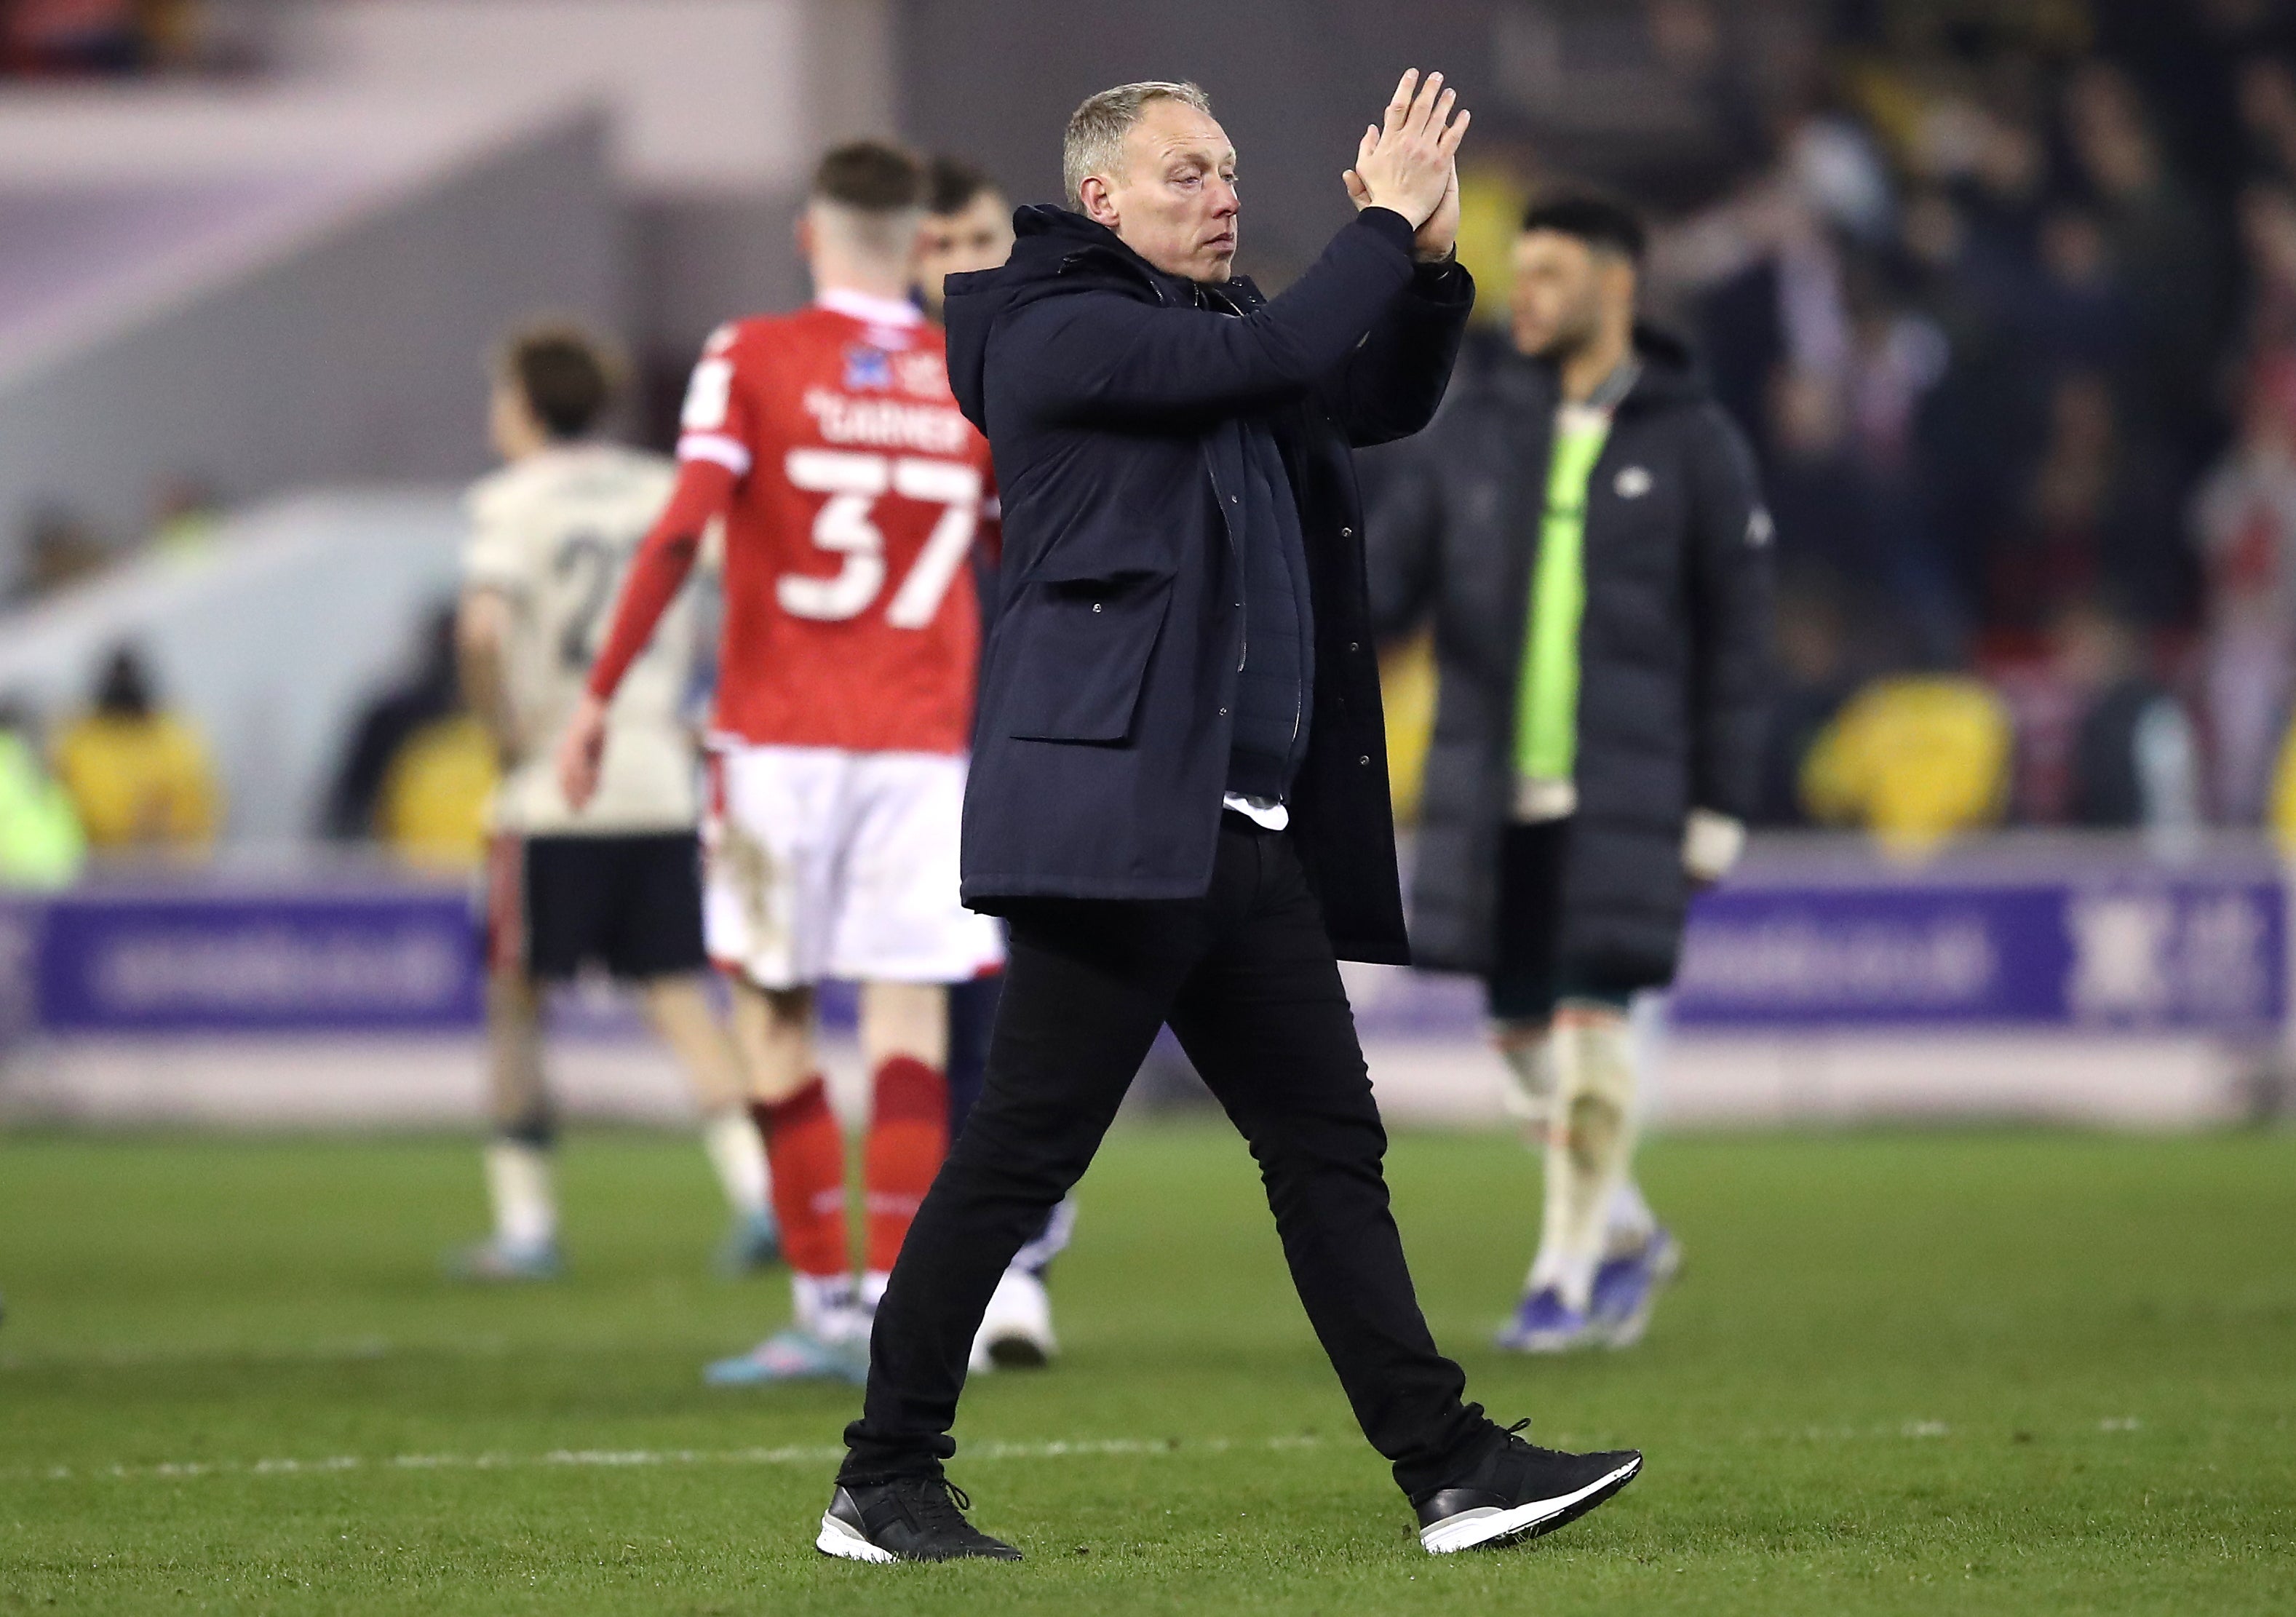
{"x":41,"y":847}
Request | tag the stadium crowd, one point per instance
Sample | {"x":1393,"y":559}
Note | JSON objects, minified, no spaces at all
{"x":2010,"y":315}
{"x":117,"y":38}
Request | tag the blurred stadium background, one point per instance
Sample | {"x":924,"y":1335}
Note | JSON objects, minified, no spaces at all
{"x":2005,"y":293}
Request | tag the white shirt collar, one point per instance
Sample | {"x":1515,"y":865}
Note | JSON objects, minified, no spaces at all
{"x":868,"y":307}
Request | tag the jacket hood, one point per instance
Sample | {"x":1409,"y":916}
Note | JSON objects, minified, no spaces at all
{"x":1055,"y":251}
{"x":1672,"y":371}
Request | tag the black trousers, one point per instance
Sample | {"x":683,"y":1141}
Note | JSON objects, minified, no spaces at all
{"x":1246,"y":977}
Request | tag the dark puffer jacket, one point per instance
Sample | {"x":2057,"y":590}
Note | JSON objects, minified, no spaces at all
{"x":1673,"y":649}
{"x":1115,"y":399}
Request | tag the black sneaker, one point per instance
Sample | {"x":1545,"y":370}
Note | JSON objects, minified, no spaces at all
{"x":1520,"y":1493}
{"x":906,"y":1519}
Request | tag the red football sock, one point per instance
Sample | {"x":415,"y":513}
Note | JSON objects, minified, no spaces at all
{"x":806,"y":1150}
{"x":909,"y":1136}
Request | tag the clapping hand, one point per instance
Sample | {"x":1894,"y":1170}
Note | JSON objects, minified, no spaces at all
{"x":1410,"y":163}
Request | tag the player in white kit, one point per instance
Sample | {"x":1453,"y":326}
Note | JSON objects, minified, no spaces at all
{"x":617,"y":883}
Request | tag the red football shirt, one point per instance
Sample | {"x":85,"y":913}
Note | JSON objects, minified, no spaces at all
{"x":850,"y":616}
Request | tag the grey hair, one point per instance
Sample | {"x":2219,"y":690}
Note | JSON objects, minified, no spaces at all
{"x":1097,"y":129}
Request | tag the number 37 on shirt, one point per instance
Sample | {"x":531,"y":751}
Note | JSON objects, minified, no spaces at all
{"x":863,"y":498}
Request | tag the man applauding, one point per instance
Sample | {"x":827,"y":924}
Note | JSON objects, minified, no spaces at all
{"x":1179,"y":790}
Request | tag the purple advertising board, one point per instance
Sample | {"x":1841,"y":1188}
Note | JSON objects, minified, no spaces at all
{"x":2146,"y":950}
{"x":1789,"y":945}
{"x":391,"y":959}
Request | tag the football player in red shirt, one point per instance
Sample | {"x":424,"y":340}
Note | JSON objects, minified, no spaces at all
{"x":851,"y":491}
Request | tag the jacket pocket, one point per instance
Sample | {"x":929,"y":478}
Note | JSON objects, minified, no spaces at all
{"x":1081,"y":650}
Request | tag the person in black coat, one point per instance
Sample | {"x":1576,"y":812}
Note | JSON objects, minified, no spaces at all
{"x":1178,"y":790}
{"x":1583,"y":528}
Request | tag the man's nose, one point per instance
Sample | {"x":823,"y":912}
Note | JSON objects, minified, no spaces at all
{"x":1226,"y":202}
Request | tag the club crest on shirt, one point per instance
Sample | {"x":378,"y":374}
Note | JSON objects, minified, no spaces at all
{"x":922,"y":374}
{"x":867,"y":367}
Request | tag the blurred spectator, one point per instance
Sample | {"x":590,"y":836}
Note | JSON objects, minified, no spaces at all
{"x":1812,"y":682}
{"x":1971,"y":431}
{"x":1821,"y":499}
{"x":95,"y":36}
{"x":1998,"y":161}
{"x":1764,"y":267}
{"x":2076,"y":316}
{"x":1848,"y":521}
{"x":1896,"y":357}
{"x":2099,"y":512}
{"x":60,"y":549}
{"x":2135,"y":759}
{"x":1913,"y":759}
{"x":432,"y":808}
{"x":2193,"y":59}
{"x":1711,"y":70}
{"x":2044,"y":713}
{"x":2162,"y":245}
{"x":432,"y":690}
{"x":2243,"y":524}
{"x":139,"y":778}
{"x":41,"y":846}
{"x":71,"y":35}
{"x":2267,"y":234}
{"x":185,"y":512}
{"x":420,"y":768}
{"x":2265,"y":94}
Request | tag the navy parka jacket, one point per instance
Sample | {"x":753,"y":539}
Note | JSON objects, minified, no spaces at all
{"x":1673,"y":651}
{"x":1113,"y":396}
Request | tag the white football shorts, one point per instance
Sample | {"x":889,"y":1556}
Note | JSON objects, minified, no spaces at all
{"x":822,"y":863}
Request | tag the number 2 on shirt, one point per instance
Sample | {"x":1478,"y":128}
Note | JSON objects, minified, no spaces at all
{"x":854,"y":482}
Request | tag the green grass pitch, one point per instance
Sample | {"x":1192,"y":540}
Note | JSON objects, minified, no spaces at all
{"x":2009,"y":1372}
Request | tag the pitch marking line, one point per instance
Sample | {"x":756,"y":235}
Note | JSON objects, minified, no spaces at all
{"x":1058,"y":1449}
{"x":1913,"y":1431}
{"x":1065,"y":1448}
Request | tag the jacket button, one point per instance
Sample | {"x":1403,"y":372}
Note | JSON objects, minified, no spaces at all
{"x":1223,"y":712}
{"x":1355,"y":645}
{"x":1346,"y":533}
{"x":1365,"y":760}
{"x":1095,"y":606}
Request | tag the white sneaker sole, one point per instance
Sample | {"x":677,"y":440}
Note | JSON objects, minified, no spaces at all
{"x":836,"y":1538}
{"x":1548,"y":1343}
{"x":1492,"y":1527}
